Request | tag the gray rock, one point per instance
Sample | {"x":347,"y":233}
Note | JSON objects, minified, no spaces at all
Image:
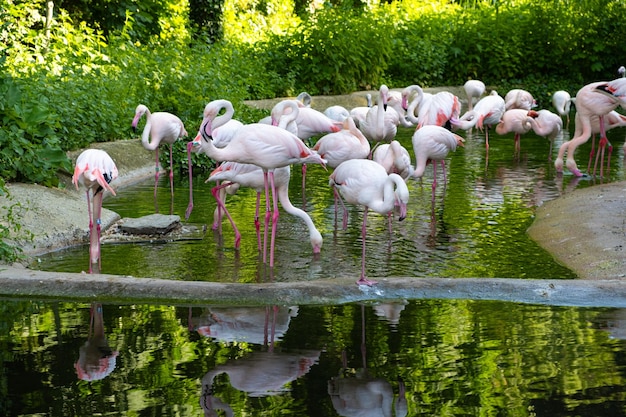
{"x":153,"y":224}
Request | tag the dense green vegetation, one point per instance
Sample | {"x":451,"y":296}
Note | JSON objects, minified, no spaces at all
{"x":70,"y":78}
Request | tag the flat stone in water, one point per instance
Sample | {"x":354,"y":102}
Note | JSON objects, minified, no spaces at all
{"x":153,"y":224}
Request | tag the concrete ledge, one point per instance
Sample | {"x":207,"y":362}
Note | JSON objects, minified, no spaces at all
{"x":26,"y":283}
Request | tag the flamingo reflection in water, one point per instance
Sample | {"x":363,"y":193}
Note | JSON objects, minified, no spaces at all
{"x":364,"y":395}
{"x":96,"y":359}
{"x":262,"y":373}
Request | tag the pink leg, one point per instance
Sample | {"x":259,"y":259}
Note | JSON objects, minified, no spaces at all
{"x":156,"y":179}
{"x":434,"y":187}
{"x":215,"y":191}
{"x":363,"y":280}
{"x":592,"y":153}
{"x":171,"y":173}
{"x":257,"y":224}
{"x":274,"y":218}
{"x":190,"y":205}
{"x":267,"y":215}
{"x":94,"y":234}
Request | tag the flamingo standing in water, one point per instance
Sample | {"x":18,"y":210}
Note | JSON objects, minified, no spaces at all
{"x":266,"y":146}
{"x":549,"y":125}
{"x":519,"y":99}
{"x":486,"y":113}
{"x":380,"y":124}
{"x":227,"y":126}
{"x":516,"y":121}
{"x":433,"y":143}
{"x":365,"y":182}
{"x":562,"y":102}
{"x":161,"y":127}
{"x":248,"y":175}
{"x":394,"y":158}
{"x":359,"y":113}
{"x":595,"y":99}
{"x":474,"y":90}
{"x":94,"y":170}
{"x":611,"y":120}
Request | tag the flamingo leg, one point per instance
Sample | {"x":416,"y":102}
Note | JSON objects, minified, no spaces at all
{"x":362,"y":280}
{"x":274,"y":218}
{"x":190,"y":205}
{"x":267,"y":215}
{"x":434,"y":186}
{"x":216,"y":191}
{"x":156,"y":179}
{"x":94,"y":234}
{"x":171,"y":173}
{"x":592,"y":153}
{"x":257,"y":224}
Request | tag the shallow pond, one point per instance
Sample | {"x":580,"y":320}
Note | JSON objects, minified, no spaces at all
{"x":407,"y":357}
{"x":476,"y":226}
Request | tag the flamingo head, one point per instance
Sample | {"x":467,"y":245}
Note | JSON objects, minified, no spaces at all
{"x":532,"y":113}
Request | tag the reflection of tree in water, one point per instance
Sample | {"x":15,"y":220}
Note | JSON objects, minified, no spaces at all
{"x":363,"y":395}
{"x":96,"y":358}
{"x":258,"y":374}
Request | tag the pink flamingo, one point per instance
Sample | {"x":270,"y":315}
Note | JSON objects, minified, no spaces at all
{"x":413,"y":100}
{"x":267,"y":146}
{"x":611,"y":120}
{"x":486,"y":113}
{"x":394,"y":158}
{"x":161,"y":127}
{"x":519,"y":99}
{"x":348,"y":143}
{"x":359,"y":113}
{"x":595,"y":99}
{"x":380,"y":124}
{"x":433,"y":143}
{"x":516,"y":121}
{"x":365,"y":182}
{"x":227,"y":126}
{"x":94,"y":170}
{"x":549,"y":125}
{"x":474,"y":89}
{"x":304,"y":122}
{"x":248,"y":175}
{"x":562,"y":102}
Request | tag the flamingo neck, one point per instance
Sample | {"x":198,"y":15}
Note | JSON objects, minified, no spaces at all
{"x":145,"y":135}
{"x":314,"y":234}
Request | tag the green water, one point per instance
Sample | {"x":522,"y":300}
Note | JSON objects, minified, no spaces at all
{"x":475,"y":228}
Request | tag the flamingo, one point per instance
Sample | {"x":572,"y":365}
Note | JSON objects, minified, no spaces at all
{"x":474,"y":90}
{"x":433,"y":143}
{"x":562,"y":102}
{"x":227,"y":126}
{"x":336,"y":112}
{"x":248,"y":175}
{"x":519,"y":99}
{"x":486,"y":113}
{"x":549,"y":125}
{"x":94,"y":170}
{"x":358,"y":113}
{"x":395,"y":102}
{"x":306,"y":122}
{"x":413,"y":99}
{"x":594,"y":99}
{"x":348,"y":143}
{"x":380,"y":124}
{"x":267,"y":146}
{"x":516,"y":121}
{"x":365,"y":182}
{"x":611,"y":120}
{"x":161,"y":127}
{"x":394,"y":158}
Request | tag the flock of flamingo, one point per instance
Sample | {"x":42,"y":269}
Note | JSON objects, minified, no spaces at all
{"x":369,"y":167}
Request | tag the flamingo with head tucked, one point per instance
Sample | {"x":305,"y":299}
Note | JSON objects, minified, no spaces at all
{"x":94,"y":170}
{"x":380,"y":124}
{"x":161,"y":127}
{"x":516,"y":121}
{"x":474,"y":89}
{"x":562,"y":102}
{"x":365,"y":182}
{"x":549,"y":125}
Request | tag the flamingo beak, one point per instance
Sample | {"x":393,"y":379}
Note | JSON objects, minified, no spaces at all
{"x":402,"y":215}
